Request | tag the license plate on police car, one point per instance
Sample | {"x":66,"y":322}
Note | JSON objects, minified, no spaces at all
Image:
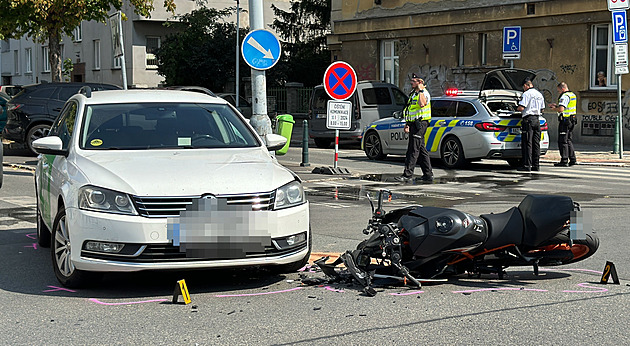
{"x":515,"y":130}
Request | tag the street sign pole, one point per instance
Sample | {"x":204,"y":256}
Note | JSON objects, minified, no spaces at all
{"x":620,"y":40}
{"x":259,"y":120}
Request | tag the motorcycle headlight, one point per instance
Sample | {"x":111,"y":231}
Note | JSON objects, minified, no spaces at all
{"x":104,"y":200}
{"x":289,"y":195}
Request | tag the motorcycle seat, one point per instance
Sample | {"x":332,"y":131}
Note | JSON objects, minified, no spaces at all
{"x":504,"y":228}
{"x":544,"y":216}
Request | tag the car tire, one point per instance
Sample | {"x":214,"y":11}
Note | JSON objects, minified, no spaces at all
{"x":323,"y":143}
{"x":373,"y":147}
{"x":61,"y":250}
{"x":515,"y":162}
{"x":452,"y":153}
{"x":36,"y":132}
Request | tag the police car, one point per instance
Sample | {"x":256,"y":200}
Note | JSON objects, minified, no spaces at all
{"x":156,"y":179}
{"x":464,"y":125}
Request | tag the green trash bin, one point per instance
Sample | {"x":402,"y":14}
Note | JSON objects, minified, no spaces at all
{"x":285,"y":129}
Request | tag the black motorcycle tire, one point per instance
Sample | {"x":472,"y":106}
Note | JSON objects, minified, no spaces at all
{"x":591,"y":242}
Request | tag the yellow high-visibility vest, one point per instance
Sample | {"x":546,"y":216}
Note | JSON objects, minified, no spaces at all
{"x":571,"y":108}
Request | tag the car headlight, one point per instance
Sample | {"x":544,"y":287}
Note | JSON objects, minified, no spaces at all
{"x":104,"y":200}
{"x":289,"y":195}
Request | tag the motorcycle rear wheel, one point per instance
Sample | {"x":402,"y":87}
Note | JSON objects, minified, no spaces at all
{"x":582,"y":248}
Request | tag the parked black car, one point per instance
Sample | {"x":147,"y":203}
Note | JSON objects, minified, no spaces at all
{"x":32,"y":111}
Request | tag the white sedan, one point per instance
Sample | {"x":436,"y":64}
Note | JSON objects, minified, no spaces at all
{"x":154,"y":179}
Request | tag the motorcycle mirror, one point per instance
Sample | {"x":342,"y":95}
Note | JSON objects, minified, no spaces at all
{"x":370,"y":200}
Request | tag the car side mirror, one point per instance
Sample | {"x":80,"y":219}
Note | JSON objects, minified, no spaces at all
{"x":51,"y":145}
{"x":275,"y":142}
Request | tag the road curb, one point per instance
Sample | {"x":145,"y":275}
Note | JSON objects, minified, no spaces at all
{"x":18,"y":166}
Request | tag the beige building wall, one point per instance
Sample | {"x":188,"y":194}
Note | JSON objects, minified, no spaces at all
{"x":556,"y":42}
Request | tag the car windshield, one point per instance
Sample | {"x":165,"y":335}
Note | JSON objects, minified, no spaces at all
{"x":163,"y":126}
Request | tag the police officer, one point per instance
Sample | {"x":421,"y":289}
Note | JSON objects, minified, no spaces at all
{"x":531,"y":105}
{"x":417,"y":116}
{"x":566,"y":108}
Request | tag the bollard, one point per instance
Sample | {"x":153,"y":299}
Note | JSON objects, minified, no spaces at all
{"x":305,"y":145}
{"x":616,"y":143}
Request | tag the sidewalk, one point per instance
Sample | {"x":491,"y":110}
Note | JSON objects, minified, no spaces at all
{"x":589,"y":155}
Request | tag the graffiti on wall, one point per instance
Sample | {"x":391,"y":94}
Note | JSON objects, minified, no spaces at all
{"x":365,"y":71}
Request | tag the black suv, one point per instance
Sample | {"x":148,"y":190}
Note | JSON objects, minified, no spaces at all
{"x":32,"y":111}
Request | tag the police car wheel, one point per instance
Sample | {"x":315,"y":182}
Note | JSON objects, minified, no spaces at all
{"x":373,"y":147}
{"x":61,"y":250}
{"x":323,"y":143}
{"x":452,"y":153}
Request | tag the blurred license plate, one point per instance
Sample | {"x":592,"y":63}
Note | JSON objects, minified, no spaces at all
{"x":515,"y":130}
{"x":321,"y":116}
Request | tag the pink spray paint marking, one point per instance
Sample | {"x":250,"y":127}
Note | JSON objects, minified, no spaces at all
{"x":34,"y":246}
{"x":406,"y":294}
{"x":256,"y":294}
{"x":576,"y":270}
{"x":501,"y":289}
{"x":586,"y":285}
{"x":333,"y":289}
{"x":94,"y":300}
{"x":32,"y":235}
{"x":55,"y":288}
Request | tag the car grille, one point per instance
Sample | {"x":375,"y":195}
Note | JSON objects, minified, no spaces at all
{"x":160,"y":207}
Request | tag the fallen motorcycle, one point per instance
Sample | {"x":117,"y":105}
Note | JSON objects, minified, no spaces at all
{"x":416,"y":243}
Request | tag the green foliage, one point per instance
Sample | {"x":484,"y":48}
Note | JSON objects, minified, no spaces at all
{"x":68,"y":67}
{"x":202,"y":51}
{"x":46,"y":20}
{"x":303,"y":32}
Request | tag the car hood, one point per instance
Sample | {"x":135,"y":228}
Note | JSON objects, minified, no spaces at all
{"x":505,"y":82}
{"x":183,"y":172}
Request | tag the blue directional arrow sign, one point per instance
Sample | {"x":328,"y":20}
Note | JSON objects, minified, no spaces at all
{"x":261,"y":49}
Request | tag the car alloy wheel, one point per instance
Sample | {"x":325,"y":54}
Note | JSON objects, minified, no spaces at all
{"x":373,"y":147}
{"x":62,"y":248}
{"x":452,"y":153}
{"x":36,"y":132}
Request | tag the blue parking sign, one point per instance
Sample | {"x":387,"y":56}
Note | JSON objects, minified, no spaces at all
{"x":511,"y":39}
{"x":620,"y":27}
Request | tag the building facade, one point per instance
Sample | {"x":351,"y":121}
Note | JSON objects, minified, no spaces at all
{"x":452,"y":43}
{"x":25,"y":61}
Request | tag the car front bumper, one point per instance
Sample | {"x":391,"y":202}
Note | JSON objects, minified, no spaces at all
{"x":151,"y":248}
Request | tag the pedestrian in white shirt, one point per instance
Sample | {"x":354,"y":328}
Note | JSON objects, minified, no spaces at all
{"x":531,"y":106}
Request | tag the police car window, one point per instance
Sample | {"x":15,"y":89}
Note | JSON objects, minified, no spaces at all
{"x":164,"y":126}
{"x":465,"y":109}
{"x":320,"y":99}
{"x":443,"y":108}
{"x":399,"y":97}
{"x":376,"y":96}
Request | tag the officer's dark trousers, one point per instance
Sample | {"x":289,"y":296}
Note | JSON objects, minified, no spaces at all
{"x":565,"y":141}
{"x":416,"y":151}
{"x":530,"y":141}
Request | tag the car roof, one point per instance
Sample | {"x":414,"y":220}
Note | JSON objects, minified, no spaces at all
{"x":149,"y":95}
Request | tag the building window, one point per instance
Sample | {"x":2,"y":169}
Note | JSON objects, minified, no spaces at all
{"x":153,"y":43}
{"x":390,"y":62}
{"x":77,"y":34}
{"x":97,"y":54}
{"x":460,"y":50}
{"x":117,"y":62}
{"x":45,"y":60}
{"x":531,"y":9}
{"x":16,"y":61}
{"x":483,"y":49}
{"x":602,"y":58}
{"x":28,"y":56}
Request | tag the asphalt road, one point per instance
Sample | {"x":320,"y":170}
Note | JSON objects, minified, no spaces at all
{"x":562,"y":306}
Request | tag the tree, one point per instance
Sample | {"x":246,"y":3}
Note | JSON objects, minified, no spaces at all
{"x":47,"y":20}
{"x":202,"y":50}
{"x":303,"y":30}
